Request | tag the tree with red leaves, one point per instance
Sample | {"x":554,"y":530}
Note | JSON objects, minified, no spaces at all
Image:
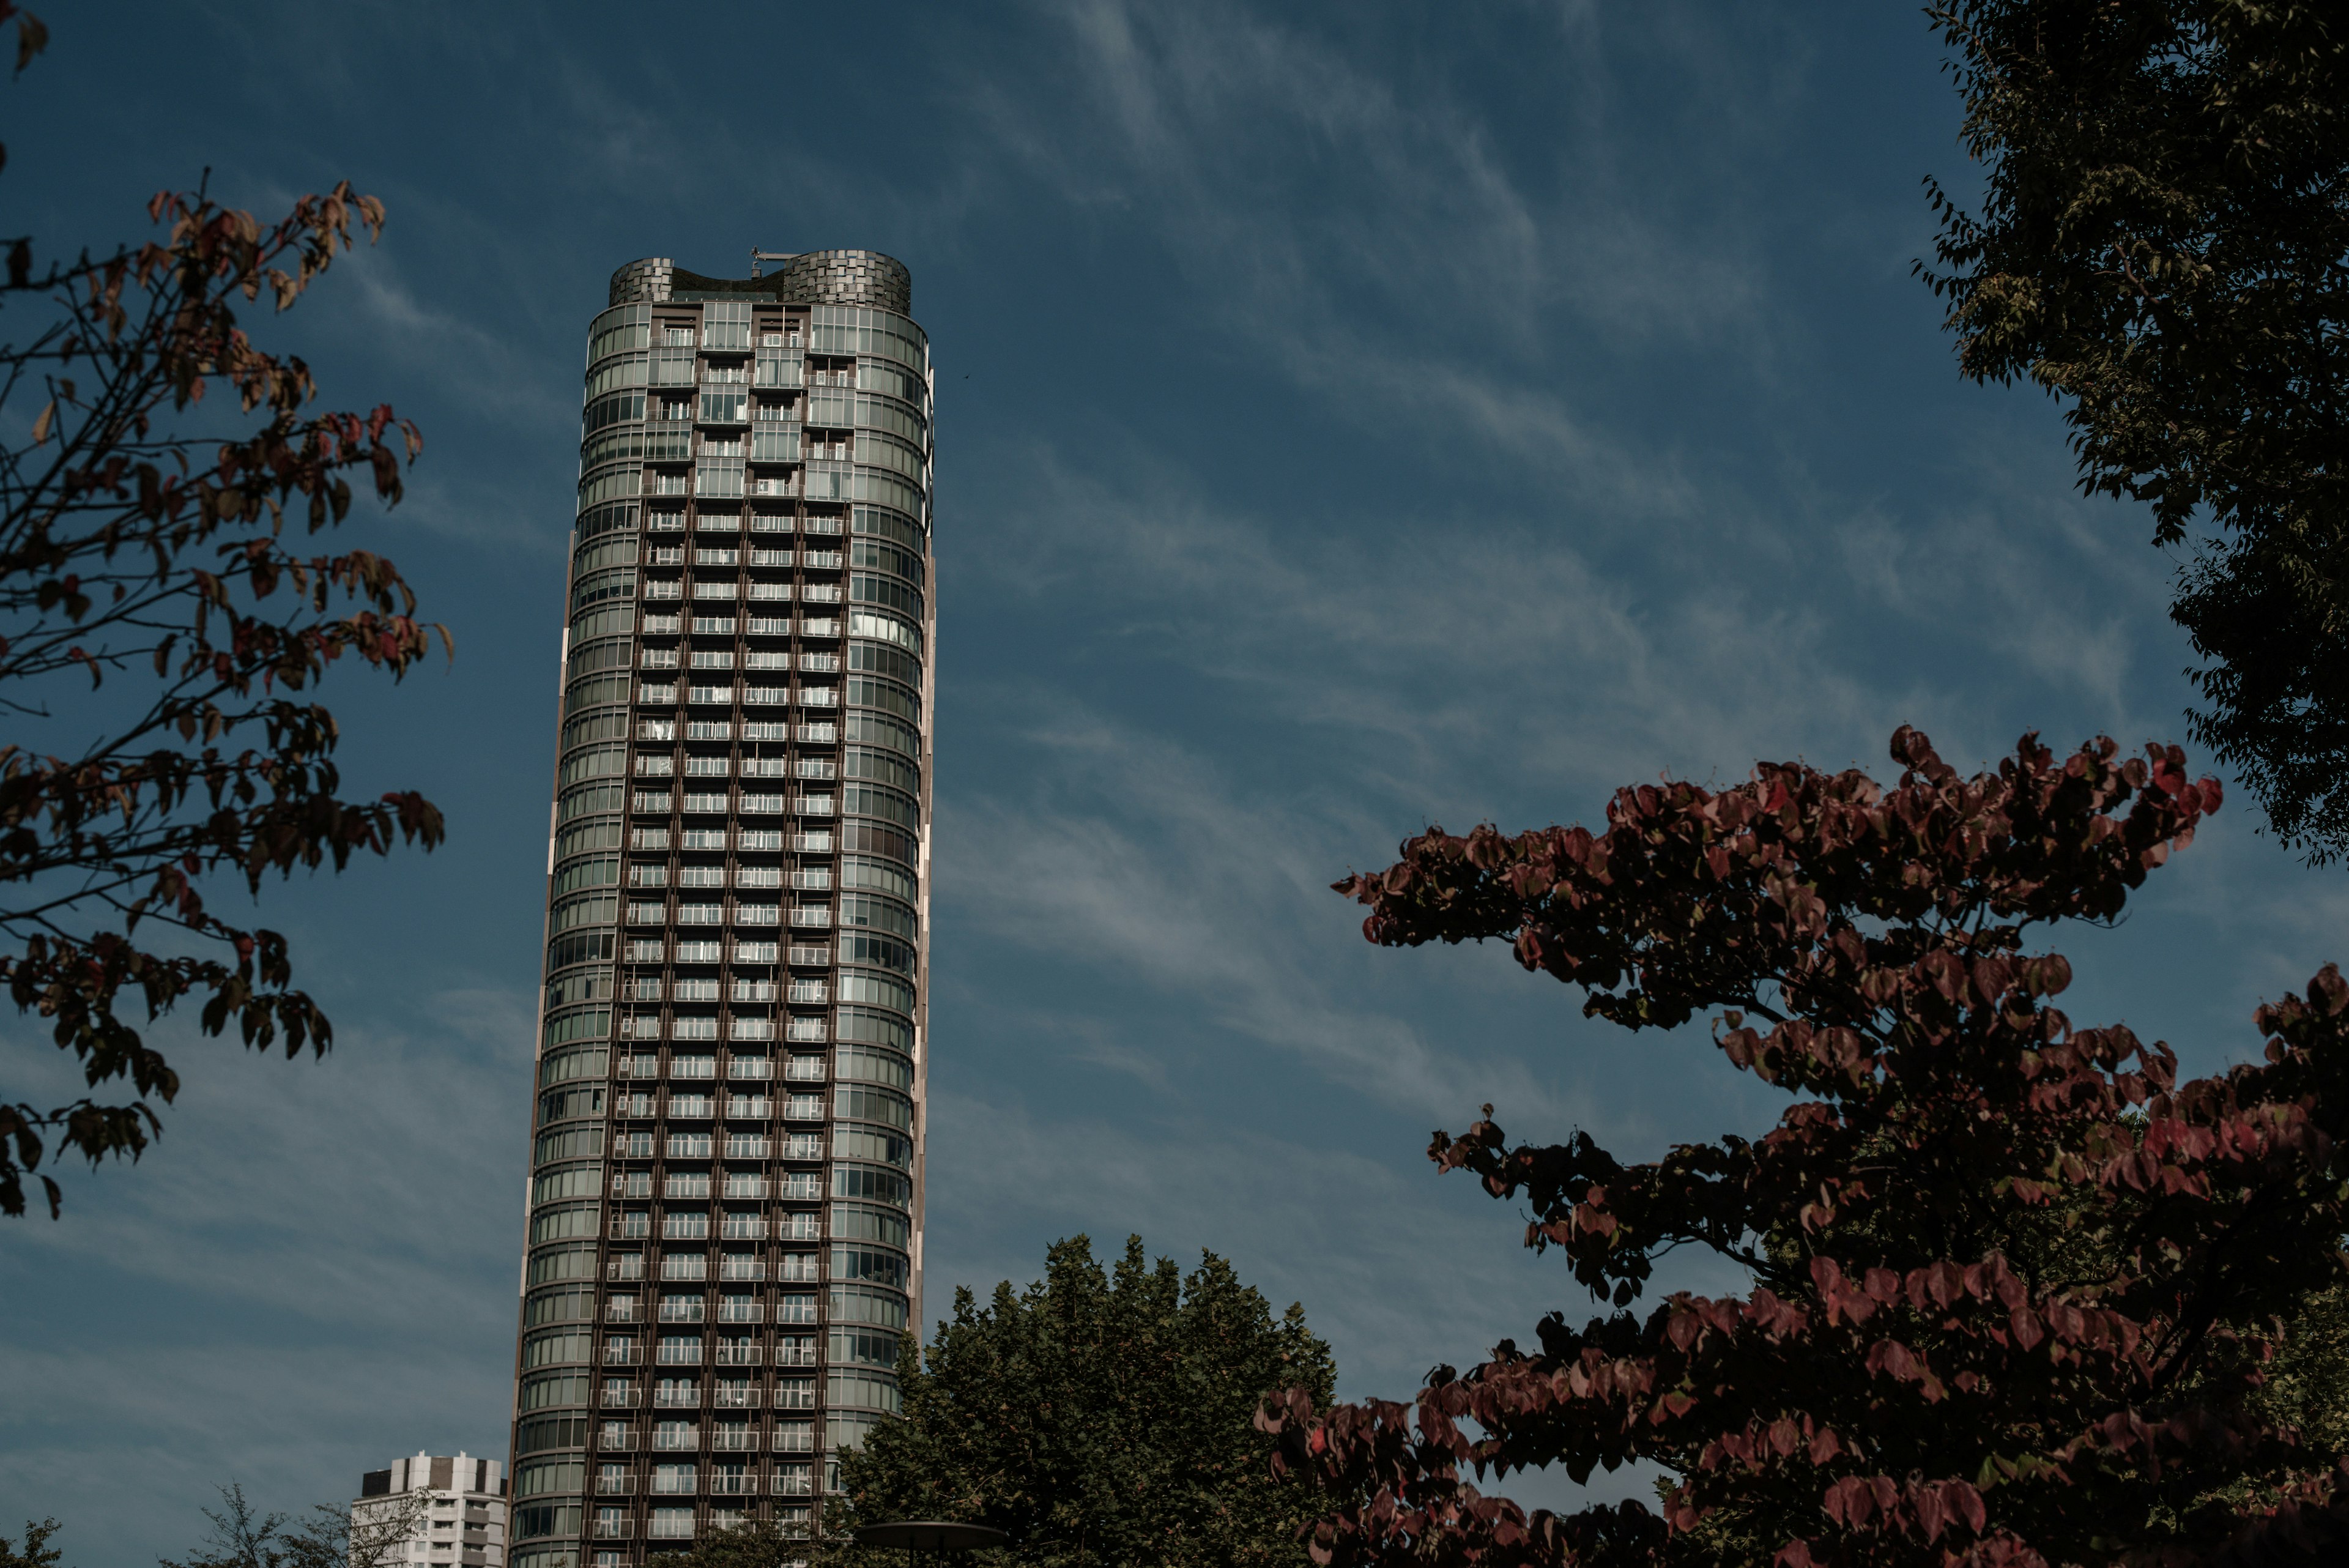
{"x":2019,"y":1296}
{"x":160,"y":629}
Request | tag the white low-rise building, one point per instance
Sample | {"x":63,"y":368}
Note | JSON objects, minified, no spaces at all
{"x":432,"y":1509}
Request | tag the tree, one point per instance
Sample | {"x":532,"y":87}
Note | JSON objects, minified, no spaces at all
{"x":241,"y":1537}
{"x":38,"y":1552}
{"x":2159,"y":241}
{"x":1102,"y":1418}
{"x":160,"y":632}
{"x":2019,"y":1296}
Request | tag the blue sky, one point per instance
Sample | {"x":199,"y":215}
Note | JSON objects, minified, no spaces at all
{"x":1349,"y":418}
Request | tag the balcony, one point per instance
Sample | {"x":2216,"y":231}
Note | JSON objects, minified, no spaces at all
{"x":822,"y":560}
{"x":737,"y":1483}
{"x":812,"y":916}
{"x":749,"y":1066}
{"x":795,"y":1437}
{"x":684,"y":1439}
{"x":746,"y":1355}
{"x":742,"y":1184}
{"x":615,"y":1439}
{"x":734,"y":1399}
{"x":793,"y":1267}
{"x":742,"y":1312}
{"x":821,"y":593}
{"x":631,"y":1267}
{"x":810,"y":957}
{"x":749,"y":1108}
{"x":631,"y":1227}
{"x":677,"y":1311}
{"x":621,"y":1398}
{"x":820,"y":663}
{"x":794,"y":1481}
{"x":624,"y":1309}
{"x":614,"y":1529}
{"x":623,"y":1353}
{"x":615,"y":1486}
{"x":790,"y":1354}
{"x":743,"y":1231}
{"x":688,"y":1397}
{"x":824,"y":525}
{"x":742,"y":1268}
{"x":798,"y":1227}
{"x":746,"y":1146}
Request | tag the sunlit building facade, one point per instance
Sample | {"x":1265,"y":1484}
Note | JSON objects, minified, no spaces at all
{"x":725,"y":1207}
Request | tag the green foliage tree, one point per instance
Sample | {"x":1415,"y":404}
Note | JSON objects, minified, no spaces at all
{"x":2020,"y":1296}
{"x":1104,"y":1418}
{"x":2159,"y":243}
{"x":161,"y":628}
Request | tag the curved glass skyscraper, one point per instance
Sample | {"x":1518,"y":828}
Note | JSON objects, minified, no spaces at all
{"x":725,"y":1205}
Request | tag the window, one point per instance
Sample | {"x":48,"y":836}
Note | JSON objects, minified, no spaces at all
{"x":672,"y":1525}
{"x":674,"y":1478}
{"x":795,"y":1393}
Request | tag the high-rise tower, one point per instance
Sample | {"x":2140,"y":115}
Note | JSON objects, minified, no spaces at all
{"x":725,"y":1205}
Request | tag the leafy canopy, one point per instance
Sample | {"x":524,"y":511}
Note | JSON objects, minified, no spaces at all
{"x":2017,"y":1293}
{"x":2159,"y":241}
{"x":1103,"y":1418}
{"x":161,"y":628}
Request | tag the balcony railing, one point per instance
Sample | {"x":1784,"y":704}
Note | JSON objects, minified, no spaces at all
{"x":742,"y":1268}
{"x":686,"y":1399}
{"x":680,"y":1311}
{"x":614,"y":1529}
{"x":614,"y":1485}
{"x":622,"y":1398}
{"x":622,"y":1354}
{"x":795,"y":1437}
{"x":737,"y":1354}
{"x":742,"y":1312}
{"x":743,"y":1231}
{"x":734,"y":1399}
{"x":624,"y":1309}
{"x":795,"y":1356}
{"x":683,"y":1440}
{"x":734,"y":1439}
{"x":617,"y":1439}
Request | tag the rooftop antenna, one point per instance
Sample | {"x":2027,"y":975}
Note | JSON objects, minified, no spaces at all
{"x":758,"y":256}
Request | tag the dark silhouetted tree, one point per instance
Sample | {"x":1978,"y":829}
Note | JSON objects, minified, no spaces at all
{"x":2158,"y":243}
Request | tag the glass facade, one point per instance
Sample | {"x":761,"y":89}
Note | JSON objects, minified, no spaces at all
{"x":725,"y":1205}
